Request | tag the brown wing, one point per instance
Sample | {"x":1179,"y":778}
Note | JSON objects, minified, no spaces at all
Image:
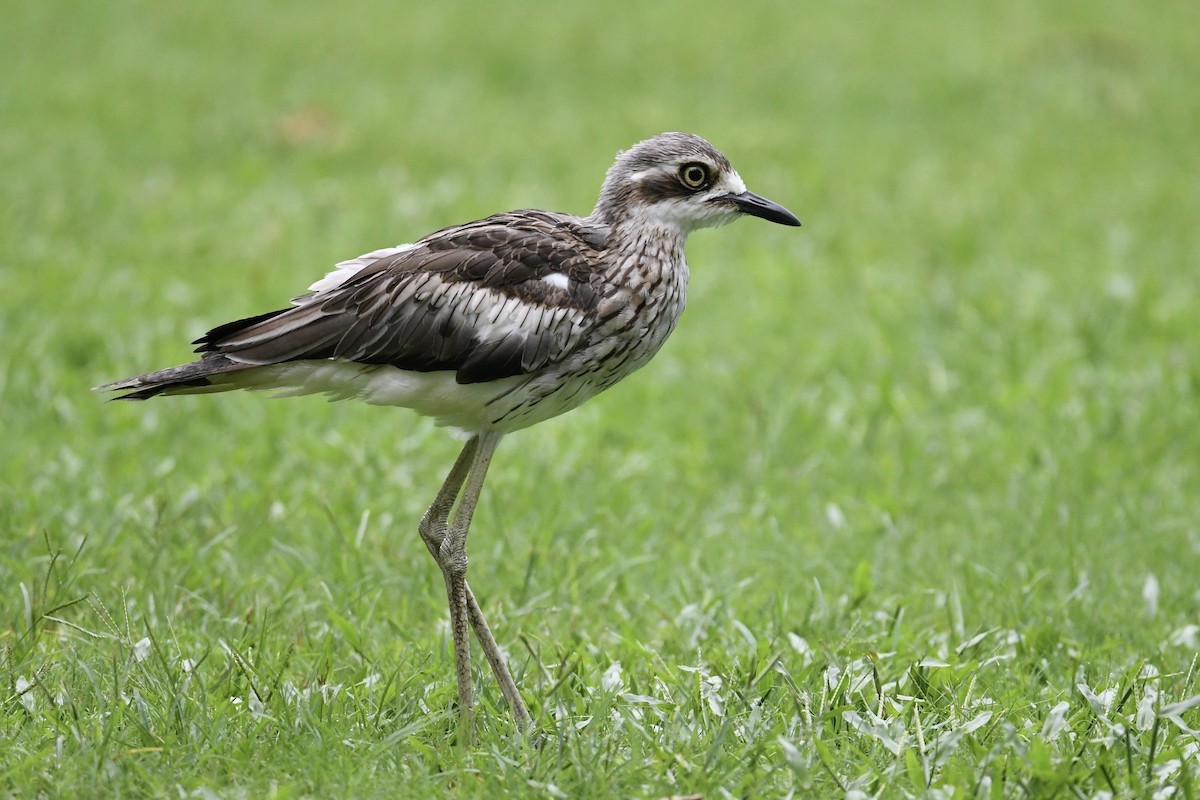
{"x":507,"y":295}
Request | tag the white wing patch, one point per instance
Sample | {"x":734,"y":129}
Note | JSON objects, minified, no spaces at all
{"x":499,"y":317}
{"x":557,"y":280}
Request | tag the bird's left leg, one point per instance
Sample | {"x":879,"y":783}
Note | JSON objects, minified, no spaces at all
{"x":435,"y":522}
{"x":491,"y":650}
{"x":434,"y":531}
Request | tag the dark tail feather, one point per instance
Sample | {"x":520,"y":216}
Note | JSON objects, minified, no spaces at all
{"x":211,"y":341}
{"x":190,"y":378}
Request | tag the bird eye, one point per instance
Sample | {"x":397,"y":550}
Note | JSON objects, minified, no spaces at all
{"x":694,"y":176}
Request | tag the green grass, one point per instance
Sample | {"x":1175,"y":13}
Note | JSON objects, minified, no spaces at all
{"x":910,"y":504}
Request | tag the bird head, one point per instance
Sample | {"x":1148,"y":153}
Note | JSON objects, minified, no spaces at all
{"x":679,"y":181}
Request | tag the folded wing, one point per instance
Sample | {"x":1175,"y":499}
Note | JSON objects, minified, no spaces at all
{"x":505,"y":296}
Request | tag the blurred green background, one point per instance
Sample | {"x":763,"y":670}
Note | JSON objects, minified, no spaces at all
{"x":960,"y":399}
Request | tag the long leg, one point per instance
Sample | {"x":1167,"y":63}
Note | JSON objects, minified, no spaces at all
{"x":433,"y":524}
{"x":491,"y":650}
{"x":433,"y":529}
{"x":452,"y":557}
{"x":448,"y":548}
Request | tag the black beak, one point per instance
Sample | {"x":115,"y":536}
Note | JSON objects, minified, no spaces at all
{"x":755,"y":206}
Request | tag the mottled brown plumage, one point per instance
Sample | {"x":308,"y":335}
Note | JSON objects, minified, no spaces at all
{"x":489,"y":327}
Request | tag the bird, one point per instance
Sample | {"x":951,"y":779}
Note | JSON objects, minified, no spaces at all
{"x":488,"y":327}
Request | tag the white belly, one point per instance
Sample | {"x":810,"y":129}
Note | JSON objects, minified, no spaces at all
{"x":432,"y":394}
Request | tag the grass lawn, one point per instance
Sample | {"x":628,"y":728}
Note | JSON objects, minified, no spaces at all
{"x":908,"y":506}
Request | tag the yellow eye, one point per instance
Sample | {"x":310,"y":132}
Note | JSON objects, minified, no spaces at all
{"x":694,"y":176}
